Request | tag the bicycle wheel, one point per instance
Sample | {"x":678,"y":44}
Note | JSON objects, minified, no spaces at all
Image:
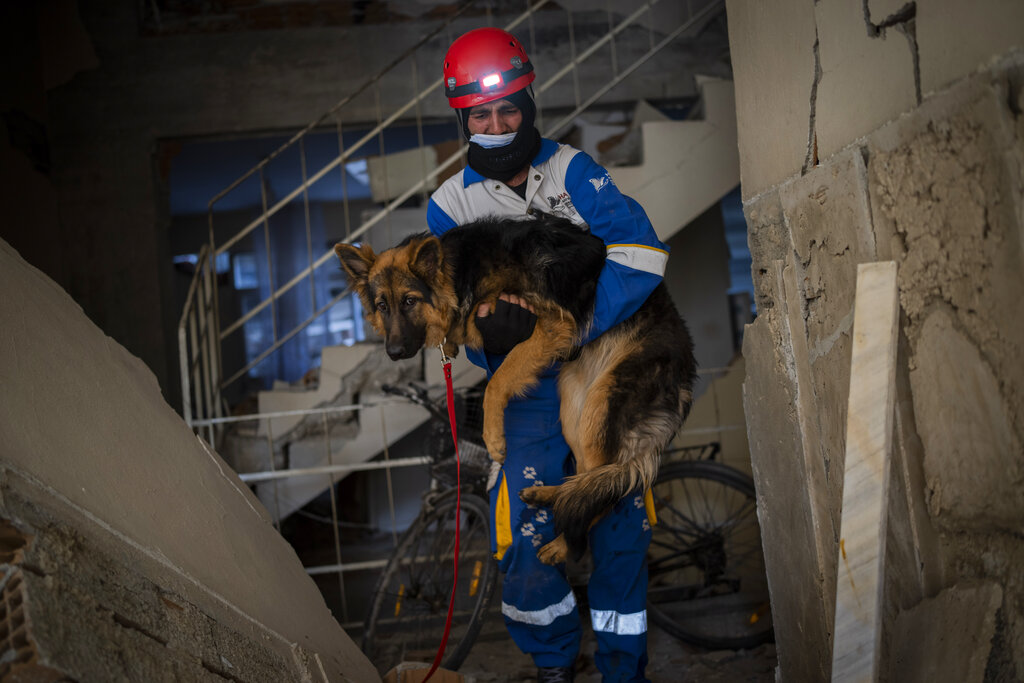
{"x":410,"y":604}
{"x":707,"y":582}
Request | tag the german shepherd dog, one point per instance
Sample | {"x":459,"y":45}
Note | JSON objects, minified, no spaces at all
{"x":623,"y":395}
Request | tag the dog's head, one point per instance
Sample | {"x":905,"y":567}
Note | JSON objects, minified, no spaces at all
{"x":407,"y":296}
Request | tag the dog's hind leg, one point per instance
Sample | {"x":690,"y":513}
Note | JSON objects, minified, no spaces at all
{"x":584,"y":412}
{"x":607,"y":467}
{"x":552,"y":337}
{"x":555,"y":552}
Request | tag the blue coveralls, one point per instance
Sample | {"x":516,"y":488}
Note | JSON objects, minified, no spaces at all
{"x":538,"y":605}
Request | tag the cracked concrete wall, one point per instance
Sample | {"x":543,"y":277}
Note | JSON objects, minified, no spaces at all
{"x":148,"y":559}
{"x":817,"y":74}
{"x":915,"y":153}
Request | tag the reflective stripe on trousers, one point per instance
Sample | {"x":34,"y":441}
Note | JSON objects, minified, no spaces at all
{"x":610,"y":621}
{"x":541,"y":617}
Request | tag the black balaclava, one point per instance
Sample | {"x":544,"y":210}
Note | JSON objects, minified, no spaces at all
{"x":503,"y":163}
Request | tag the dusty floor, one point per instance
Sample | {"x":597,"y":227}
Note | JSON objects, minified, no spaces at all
{"x":497,"y":660}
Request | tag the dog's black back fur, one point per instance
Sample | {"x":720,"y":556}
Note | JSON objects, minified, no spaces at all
{"x":560,"y":260}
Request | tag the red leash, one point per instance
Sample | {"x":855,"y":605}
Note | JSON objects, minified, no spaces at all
{"x":446,"y":363}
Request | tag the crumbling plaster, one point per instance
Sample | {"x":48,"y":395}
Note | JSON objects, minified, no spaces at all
{"x":91,"y":608}
{"x":938,"y":189}
{"x":947,"y":194}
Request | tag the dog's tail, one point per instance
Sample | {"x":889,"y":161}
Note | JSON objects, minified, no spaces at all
{"x":583,"y":497}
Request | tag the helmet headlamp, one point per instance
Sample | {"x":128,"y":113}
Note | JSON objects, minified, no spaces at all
{"x":484,"y":65}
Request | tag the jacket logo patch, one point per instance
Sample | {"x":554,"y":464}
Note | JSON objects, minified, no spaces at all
{"x":600,"y":183}
{"x":562,"y":205}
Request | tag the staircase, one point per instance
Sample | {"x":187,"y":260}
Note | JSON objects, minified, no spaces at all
{"x":686,"y":166}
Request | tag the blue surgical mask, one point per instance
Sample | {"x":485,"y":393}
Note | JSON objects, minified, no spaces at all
{"x":492,"y":141}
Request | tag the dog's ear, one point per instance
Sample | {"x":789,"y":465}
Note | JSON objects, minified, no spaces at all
{"x":426,"y":259}
{"x":356,"y":261}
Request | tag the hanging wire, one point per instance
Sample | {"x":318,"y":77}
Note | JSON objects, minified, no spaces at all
{"x":270,"y":265}
{"x":614,"y":52}
{"x":390,"y":483}
{"x":533,"y":50}
{"x":383,"y":158}
{"x":270,"y":461}
{"x":344,"y":177}
{"x":650,"y":26}
{"x":309,"y":234}
{"x":421,"y":145}
{"x":714,"y":397}
{"x":334,"y":519}
{"x":575,"y":63}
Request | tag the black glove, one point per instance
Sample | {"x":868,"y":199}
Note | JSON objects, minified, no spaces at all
{"x":507,"y":325}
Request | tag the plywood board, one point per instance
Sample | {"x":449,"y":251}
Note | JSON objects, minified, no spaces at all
{"x":869,"y":425}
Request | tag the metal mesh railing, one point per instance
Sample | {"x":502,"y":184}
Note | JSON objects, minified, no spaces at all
{"x":206,"y":330}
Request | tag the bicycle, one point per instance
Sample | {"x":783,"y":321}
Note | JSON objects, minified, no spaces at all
{"x":410,"y":605}
{"x":706,"y":578}
{"x":706,"y":582}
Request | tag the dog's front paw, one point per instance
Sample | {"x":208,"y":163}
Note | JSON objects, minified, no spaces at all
{"x":493,"y":474}
{"x":494,"y":439}
{"x":496,"y":449}
{"x":554,"y":552}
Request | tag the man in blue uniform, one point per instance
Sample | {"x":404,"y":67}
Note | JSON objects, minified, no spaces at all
{"x":513,"y":172}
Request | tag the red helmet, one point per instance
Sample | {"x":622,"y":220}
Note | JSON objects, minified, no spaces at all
{"x":484,"y":65}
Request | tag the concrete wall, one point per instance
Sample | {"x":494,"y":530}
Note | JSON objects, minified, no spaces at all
{"x":141,"y":555}
{"x":881,"y":132}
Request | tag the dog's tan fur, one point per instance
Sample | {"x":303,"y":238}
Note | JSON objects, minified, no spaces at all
{"x":606,"y":471}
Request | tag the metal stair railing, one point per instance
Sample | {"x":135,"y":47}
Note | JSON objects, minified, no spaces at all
{"x":196,"y":345}
{"x":201,"y":330}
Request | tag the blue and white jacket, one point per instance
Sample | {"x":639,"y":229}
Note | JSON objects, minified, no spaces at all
{"x":566,"y":182}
